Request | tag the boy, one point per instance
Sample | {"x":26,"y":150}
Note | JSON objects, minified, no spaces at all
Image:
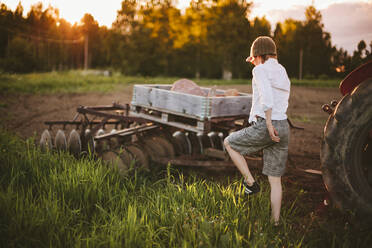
{"x":269,"y":129}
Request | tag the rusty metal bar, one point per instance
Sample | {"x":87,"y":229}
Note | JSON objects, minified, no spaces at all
{"x":80,"y":122}
{"x":114,"y":106}
{"x":158,"y":119}
{"x":84,"y":110}
{"x":128,"y":131}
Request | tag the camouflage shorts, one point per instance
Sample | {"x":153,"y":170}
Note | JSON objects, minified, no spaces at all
{"x":256,"y":137}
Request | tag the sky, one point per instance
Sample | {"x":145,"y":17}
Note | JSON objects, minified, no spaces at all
{"x":348,"y":21}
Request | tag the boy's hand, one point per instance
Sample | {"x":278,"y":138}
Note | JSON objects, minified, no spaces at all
{"x":273,"y":133}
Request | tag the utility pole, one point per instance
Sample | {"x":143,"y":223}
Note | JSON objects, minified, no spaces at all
{"x":86,"y":44}
{"x":197,"y":74}
{"x":300,"y":64}
{"x":48,"y":59}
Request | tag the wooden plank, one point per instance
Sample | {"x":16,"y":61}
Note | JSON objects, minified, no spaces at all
{"x":145,"y":95}
{"x":162,"y":110}
{"x":230,"y":105}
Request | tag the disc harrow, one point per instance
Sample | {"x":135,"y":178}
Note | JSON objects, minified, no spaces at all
{"x":142,"y":134}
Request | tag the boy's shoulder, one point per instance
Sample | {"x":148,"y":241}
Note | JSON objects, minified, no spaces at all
{"x":268,"y":65}
{"x":261,"y":68}
{"x":258,"y":68}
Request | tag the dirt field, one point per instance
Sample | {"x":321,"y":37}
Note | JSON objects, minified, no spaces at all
{"x":25,"y":114}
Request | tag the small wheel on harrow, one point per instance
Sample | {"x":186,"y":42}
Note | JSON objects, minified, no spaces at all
{"x":101,"y":145}
{"x":115,"y":161}
{"x":74,"y":143}
{"x":89,"y":145}
{"x":60,"y":141}
{"x":114,"y":142}
{"x":215,"y":140}
{"x":126,"y":156}
{"x":222,"y":136}
{"x":46,"y":141}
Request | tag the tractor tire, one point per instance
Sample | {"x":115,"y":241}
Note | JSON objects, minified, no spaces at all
{"x":346,"y":151}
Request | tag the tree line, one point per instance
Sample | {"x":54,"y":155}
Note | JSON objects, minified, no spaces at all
{"x":210,"y":39}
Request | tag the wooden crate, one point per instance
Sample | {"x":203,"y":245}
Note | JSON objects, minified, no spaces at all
{"x":161,"y":98}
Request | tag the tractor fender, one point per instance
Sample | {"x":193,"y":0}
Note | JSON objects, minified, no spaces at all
{"x":354,"y":78}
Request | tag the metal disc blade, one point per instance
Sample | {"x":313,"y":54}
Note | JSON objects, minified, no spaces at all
{"x":180,"y":142}
{"x":114,"y":141}
{"x":89,"y":145}
{"x":46,"y":141}
{"x":87,"y":132}
{"x":74,"y":143}
{"x":126,"y":157}
{"x":100,"y":132}
{"x":215,"y":140}
{"x":204,"y":141}
{"x":221,"y":136}
{"x":101,"y":146}
{"x":115,"y":161}
{"x":140,"y":157}
{"x":154,"y":149}
{"x":193,"y":143}
{"x":167,"y":146}
{"x":60,"y":141}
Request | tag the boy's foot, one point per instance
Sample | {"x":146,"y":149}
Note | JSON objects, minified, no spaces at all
{"x":250,"y":190}
{"x":275,"y":223}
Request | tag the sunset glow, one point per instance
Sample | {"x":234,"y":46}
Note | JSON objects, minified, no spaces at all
{"x":73,"y":10}
{"x":105,"y":11}
{"x":345,"y":32}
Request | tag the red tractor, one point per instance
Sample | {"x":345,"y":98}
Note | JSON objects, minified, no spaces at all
{"x":346,"y":151}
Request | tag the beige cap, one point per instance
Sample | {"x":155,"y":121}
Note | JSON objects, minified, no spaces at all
{"x":262,"y":45}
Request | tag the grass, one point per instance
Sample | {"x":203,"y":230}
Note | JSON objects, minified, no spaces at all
{"x":52,"y":200}
{"x":78,"y":82}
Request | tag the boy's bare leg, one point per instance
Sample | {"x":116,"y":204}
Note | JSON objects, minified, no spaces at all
{"x":240,"y":162}
{"x":275,"y":197}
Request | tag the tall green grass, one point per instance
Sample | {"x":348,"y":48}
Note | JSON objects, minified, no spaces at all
{"x":78,"y":82}
{"x":53,"y":200}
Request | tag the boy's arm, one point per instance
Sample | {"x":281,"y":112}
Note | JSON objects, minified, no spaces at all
{"x":264,"y":88}
{"x":272,"y":131}
{"x":266,"y":98}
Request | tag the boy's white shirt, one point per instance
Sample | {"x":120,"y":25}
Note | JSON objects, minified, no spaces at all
{"x":271,"y":88}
